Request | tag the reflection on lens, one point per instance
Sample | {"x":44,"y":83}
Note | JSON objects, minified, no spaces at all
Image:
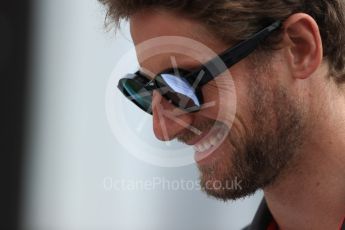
{"x":135,"y":92}
{"x":179,"y":91}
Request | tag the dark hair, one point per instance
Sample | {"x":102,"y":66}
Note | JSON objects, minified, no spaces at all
{"x":236,"y":20}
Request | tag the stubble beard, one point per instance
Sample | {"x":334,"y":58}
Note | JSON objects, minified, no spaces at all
{"x":260,"y":157}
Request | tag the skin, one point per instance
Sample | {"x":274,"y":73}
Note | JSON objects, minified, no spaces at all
{"x":289,"y":116}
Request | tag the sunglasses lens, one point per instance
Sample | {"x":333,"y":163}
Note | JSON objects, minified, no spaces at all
{"x":134,"y":91}
{"x":179,"y":91}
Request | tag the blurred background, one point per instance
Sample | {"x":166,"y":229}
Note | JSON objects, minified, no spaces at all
{"x":60,"y":157}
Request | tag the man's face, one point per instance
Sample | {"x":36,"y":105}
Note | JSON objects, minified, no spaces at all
{"x":256,"y":136}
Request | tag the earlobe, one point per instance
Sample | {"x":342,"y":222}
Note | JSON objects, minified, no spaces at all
{"x":305,"y":51}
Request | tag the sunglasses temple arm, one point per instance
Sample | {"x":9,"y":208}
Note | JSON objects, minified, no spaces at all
{"x":235,"y":54}
{"x":246,"y":47}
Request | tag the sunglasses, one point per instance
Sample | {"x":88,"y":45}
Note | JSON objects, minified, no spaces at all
{"x":182,"y":88}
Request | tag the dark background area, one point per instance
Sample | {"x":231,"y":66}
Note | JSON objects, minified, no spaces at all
{"x":14,"y":46}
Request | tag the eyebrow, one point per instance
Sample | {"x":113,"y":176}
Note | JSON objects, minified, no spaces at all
{"x":188,"y":66}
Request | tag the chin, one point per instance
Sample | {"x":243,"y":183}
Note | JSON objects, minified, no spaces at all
{"x":219,"y":177}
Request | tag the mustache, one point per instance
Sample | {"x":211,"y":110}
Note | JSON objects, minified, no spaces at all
{"x":188,"y":135}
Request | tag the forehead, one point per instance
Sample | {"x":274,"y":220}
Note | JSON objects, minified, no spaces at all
{"x":150,"y":24}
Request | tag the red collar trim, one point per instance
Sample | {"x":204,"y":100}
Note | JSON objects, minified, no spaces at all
{"x":342,"y":225}
{"x":274,"y":226}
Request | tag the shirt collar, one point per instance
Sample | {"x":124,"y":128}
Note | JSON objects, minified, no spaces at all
{"x":263,"y":218}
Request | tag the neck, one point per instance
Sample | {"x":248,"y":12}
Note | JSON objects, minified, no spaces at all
{"x":312,"y":194}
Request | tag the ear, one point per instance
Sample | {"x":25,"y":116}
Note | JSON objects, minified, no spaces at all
{"x":304,"y":45}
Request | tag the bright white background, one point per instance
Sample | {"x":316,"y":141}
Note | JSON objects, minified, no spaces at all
{"x":71,"y":148}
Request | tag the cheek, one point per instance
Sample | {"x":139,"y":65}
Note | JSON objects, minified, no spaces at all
{"x":221,"y":97}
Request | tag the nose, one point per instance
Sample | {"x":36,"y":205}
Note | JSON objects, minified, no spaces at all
{"x":167,"y":125}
